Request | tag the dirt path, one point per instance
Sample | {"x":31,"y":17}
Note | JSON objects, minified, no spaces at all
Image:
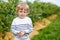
{"x":40,"y":25}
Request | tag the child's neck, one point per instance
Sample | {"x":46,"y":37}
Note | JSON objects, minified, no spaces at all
{"x":22,"y":17}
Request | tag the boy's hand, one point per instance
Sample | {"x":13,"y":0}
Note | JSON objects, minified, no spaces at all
{"x":21,"y":34}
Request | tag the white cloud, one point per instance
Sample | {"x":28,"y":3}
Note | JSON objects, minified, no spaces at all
{"x":57,"y":2}
{"x":28,"y":0}
{"x":5,"y":0}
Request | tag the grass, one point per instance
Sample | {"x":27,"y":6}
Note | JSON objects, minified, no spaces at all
{"x":52,"y":32}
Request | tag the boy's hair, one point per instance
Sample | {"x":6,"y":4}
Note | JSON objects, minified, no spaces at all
{"x":21,"y":6}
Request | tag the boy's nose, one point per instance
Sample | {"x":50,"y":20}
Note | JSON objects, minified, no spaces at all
{"x":23,"y":10}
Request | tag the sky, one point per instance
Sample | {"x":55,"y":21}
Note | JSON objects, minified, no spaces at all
{"x":57,"y":2}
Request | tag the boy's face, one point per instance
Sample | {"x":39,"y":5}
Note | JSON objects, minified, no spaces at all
{"x":22,"y":12}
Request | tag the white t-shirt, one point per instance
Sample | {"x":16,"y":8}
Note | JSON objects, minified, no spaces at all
{"x":18,"y":21}
{"x":19,"y":25}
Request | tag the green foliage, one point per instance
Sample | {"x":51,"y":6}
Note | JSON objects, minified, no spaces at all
{"x":37,"y":11}
{"x":51,"y":32}
{"x":7,"y":13}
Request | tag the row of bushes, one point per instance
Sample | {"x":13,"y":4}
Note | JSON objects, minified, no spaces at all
{"x":37,"y":11}
{"x":41,"y":9}
{"x":7,"y":13}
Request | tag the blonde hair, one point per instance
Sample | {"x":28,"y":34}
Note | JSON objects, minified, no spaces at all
{"x":22,"y":5}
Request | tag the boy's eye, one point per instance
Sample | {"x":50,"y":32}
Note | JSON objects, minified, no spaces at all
{"x":25,"y":11}
{"x":20,"y":11}
{"x":21,"y":8}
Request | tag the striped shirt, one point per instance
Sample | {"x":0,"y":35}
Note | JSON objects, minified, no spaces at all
{"x":18,"y":25}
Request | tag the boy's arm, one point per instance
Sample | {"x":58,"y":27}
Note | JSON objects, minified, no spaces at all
{"x":30,"y":27}
{"x":13,"y":28}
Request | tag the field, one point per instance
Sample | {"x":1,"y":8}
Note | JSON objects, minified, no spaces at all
{"x":51,"y":32}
